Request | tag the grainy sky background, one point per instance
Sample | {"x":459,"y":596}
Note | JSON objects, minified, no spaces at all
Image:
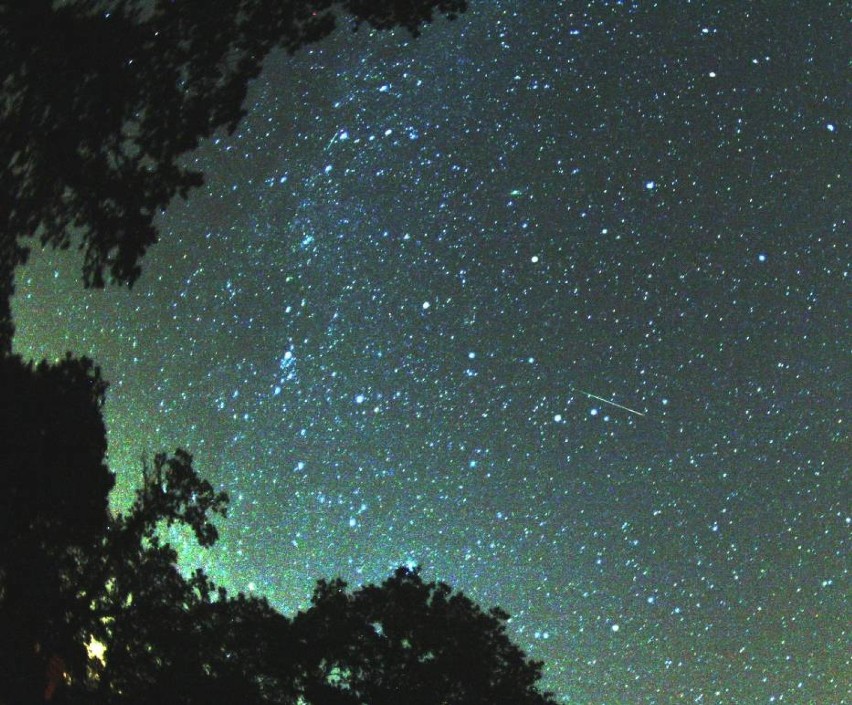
{"x":384,"y":324}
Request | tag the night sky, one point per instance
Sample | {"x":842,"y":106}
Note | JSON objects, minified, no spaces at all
{"x":389,"y":322}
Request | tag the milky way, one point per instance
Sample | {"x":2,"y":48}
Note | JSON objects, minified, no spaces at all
{"x":392,"y":321}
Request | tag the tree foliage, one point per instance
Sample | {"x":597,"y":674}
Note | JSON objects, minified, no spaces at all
{"x":53,"y":512}
{"x":72,"y":574}
{"x":101,"y":99}
{"x":409,"y":641}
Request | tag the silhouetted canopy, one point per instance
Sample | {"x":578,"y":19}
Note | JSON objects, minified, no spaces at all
{"x":72,"y":575}
{"x":102,"y":99}
{"x":407,"y":641}
{"x":54,"y":485}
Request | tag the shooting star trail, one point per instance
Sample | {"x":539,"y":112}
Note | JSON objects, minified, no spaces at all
{"x":332,"y":141}
{"x":610,"y":402}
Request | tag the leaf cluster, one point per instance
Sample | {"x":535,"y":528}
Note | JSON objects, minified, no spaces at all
{"x":410,"y":641}
{"x":101,"y":101}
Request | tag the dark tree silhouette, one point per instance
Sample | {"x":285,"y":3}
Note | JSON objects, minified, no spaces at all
{"x":169,"y":639}
{"x":411,"y":642}
{"x":53,"y":514}
{"x":73,"y":574}
{"x":101,"y":100}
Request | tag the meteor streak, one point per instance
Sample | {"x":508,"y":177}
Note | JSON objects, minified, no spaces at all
{"x":610,"y":402}
{"x":332,"y":141}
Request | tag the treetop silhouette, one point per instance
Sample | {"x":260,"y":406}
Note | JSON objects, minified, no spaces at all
{"x":54,"y":514}
{"x":102,"y":99}
{"x":72,"y":575}
{"x":408,"y":641}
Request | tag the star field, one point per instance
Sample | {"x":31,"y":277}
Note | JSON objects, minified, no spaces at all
{"x":379,"y":323}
